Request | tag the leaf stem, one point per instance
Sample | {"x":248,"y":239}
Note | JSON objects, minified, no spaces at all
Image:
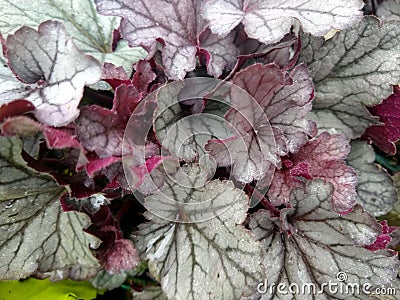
{"x":264,"y":201}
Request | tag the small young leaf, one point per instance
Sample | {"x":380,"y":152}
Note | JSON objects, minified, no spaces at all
{"x":207,"y":254}
{"x":39,"y":59}
{"x":269,"y":21}
{"x":91,"y":32}
{"x":376,"y":192}
{"x":35,"y":234}
{"x":321,"y":244}
{"x":356,"y":67}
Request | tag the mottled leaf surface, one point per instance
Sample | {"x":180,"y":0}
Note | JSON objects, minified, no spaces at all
{"x":269,"y":21}
{"x":270,"y":119}
{"x":35,"y":234}
{"x":321,"y":244}
{"x":207,"y":253}
{"x":385,"y":135}
{"x":389,"y":10}
{"x":376,"y":192}
{"x":182,"y":133}
{"x":102,"y":130}
{"x":91,"y":32}
{"x":322,"y":158}
{"x":355,"y":68}
{"x":183,"y":33}
{"x":39,"y":59}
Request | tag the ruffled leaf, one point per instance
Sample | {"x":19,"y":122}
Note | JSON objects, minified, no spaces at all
{"x":39,"y":59}
{"x":182,"y":133}
{"x":375,"y":190}
{"x":195,"y":237}
{"x":268,"y":21}
{"x":270,"y":120}
{"x":322,"y":158}
{"x":321,"y":245}
{"x":36,"y":236}
{"x":355,"y":68}
{"x":92,"y":33}
{"x":183,"y":34}
{"x":102,"y":130}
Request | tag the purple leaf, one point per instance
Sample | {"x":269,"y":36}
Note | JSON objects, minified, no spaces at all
{"x":282,"y":102}
{"x":269,"y":21}
{"x":181,"y":29}
{"x":95,"y":165}
{"x":15,"y":108}
{"x":120,"y":256}
{"x":102,"y":130}
{"x":116,"y":254}
{"x":322,"y":158}
{"x":319,"y":244}
{"x":39,"y":59}
{"x":56,"y":138}
{"x":383,"y":240}
{"x":384,"y":136}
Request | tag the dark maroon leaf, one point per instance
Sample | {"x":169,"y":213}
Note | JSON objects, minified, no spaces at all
{"x":384,"y":136}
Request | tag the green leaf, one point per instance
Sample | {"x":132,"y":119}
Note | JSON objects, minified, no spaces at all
{"x":91,"y":32}
{"x":354,"y":69}
{"x":35,"y":234}
{"x":34,"y":289}
{"x":204,"y":252}
{"x":375,"y":190}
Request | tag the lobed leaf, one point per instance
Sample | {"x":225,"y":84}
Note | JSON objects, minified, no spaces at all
{"x":269,"y":114}
{"x":322,"y":158}
{"x":354,"y":69}
{"x":269,"y":21}
{"x":195,"y":244}
{"x":375,"y":190}
{"x":38,"y":59}
{"x":320,"y":244}
{"x":183,"y":34}
{"x":36,"y":235}
{"x":91,"y":32}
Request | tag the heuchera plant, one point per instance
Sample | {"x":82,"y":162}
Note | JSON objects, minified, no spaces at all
{"x":204,"y":149}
